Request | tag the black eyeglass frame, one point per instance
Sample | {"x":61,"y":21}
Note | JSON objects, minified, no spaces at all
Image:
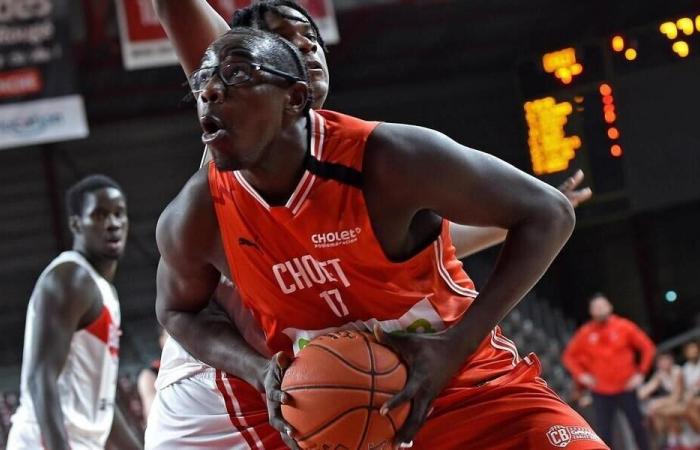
{"x":255,"y":67}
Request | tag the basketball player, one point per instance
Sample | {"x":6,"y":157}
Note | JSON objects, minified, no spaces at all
{"x":192,"y":25}
{"x":328,"y":222}
{"x":71,"y":339}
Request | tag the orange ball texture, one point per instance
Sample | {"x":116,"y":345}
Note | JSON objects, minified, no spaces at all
{"x":337,"y":385}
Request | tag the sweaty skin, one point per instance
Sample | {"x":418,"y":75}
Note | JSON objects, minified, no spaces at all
{"x":539,"y":220}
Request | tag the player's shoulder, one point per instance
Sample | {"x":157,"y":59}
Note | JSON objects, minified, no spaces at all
{"x":586,"y":328}
{"x":400,"y":155}
{"x":342,"y":126}
{"x":620,"y":321}
{"x":68,"y":281}
{"x":188,"y":222}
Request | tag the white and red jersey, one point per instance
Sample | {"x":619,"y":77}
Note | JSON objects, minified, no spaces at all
{"x":87,"y":384}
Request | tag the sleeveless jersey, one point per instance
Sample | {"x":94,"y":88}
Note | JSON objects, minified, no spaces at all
{"x":87,"y":384}
{"x":314,"y":264}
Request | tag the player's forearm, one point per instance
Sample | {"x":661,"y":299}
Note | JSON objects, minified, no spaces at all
{"x":122,"y":435}
{"x":468,"y":240}
{"x":212,"y":338}
{"x":47,"y":408}
{"x":529,"y":249}
{"x":191,"y":25}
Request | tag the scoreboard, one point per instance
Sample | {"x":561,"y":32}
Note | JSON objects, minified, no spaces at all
{"x":581,"y":111}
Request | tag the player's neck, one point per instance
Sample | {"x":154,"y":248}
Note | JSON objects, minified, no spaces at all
{"x":276,"y":177}
{"x":107,"y":268}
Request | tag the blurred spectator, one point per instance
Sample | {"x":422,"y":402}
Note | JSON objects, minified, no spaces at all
{"x":601,"y":356}
{"x":662,"y":395}
{"x":691,"y":380}
{"x":147,"y":379}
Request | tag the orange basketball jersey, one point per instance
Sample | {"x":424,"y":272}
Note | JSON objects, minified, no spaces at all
{"x":314,"y":265}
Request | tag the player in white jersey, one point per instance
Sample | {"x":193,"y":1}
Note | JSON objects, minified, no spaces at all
{"x":71,"y":339}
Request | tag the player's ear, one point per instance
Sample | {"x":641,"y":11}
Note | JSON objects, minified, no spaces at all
{"x":74,"y":224}
{"x":297,"y":97}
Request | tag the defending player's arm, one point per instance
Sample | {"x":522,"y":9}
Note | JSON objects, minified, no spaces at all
{"x":187,"y":233}
{"x":468,"y":240}
{"x":122,"y":435}
{"x":65,"y":303}
{"x":476,"y":189}
{"x":191,"y":26}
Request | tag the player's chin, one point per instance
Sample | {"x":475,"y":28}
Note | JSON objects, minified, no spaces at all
{"x":113,"y":255}
{"x":226,"y":158}
{"x":320,"y":92}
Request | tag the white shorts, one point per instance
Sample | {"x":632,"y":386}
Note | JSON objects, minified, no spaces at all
{"x":26,"y":435}
{"x":206,"y":411}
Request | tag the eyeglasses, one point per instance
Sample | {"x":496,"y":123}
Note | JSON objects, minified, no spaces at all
{"x":233,"y":74}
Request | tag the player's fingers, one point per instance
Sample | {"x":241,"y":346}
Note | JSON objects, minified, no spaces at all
{"x":283,"y":360}
{"x":379,"y":334}
{"x":277,"y":396}
{"x":406,"y":394}
{"x":415,"y":419}
{"x":289,"y":441}
{"x":572,"y":181}
{"x":280,"y":425}
{"x":384,"y":338}
{"x":582,"y":194}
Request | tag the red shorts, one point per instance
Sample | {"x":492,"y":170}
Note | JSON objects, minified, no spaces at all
{"x":516,"y":411}
{"x":513,"y":410}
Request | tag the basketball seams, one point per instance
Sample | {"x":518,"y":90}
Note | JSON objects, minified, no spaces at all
{"x":391,"y":422}
{"x":361,"y":360}
{"x":370,"y":405}
{"x":391,"y":369}
{"x":352,"y":366}
{"x":338,"y":387}
{"x":331,"y":421}
{"x":341,"y":358}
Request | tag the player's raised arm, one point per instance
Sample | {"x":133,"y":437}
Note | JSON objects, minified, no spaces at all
{"x":67,"y":297}
{"x":439,"y":176}
{"x":187,"y":234}
{"x":468,"y":240}
{"x":191,"y":25}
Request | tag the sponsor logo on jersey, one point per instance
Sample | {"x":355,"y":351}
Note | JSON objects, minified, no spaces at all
{"x":336,"y":238}
{"x":561,"y":436}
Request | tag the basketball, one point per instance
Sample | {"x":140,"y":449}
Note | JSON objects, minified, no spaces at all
{"x":337,"y":385}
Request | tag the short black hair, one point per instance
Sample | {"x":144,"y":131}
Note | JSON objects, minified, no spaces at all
{"x":75,"y":195}
{"x":596,"y":295}
{"x":282,"y":55}
{"x":254,"y":16}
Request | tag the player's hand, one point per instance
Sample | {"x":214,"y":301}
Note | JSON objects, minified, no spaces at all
{"x":635,"y":381}
{"x":422,"y":354}
{"x":276,"y":398}
{"x":575,"y":196}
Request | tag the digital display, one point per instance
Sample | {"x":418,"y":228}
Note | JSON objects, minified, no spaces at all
{"x":551,"y":150}
{"x":571,"y":105}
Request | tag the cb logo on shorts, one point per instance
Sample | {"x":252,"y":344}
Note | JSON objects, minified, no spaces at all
{"x":559,"y":436}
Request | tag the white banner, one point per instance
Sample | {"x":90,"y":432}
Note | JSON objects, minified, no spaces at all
{"x":144,"y":42}
{"x":41,"y":121}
